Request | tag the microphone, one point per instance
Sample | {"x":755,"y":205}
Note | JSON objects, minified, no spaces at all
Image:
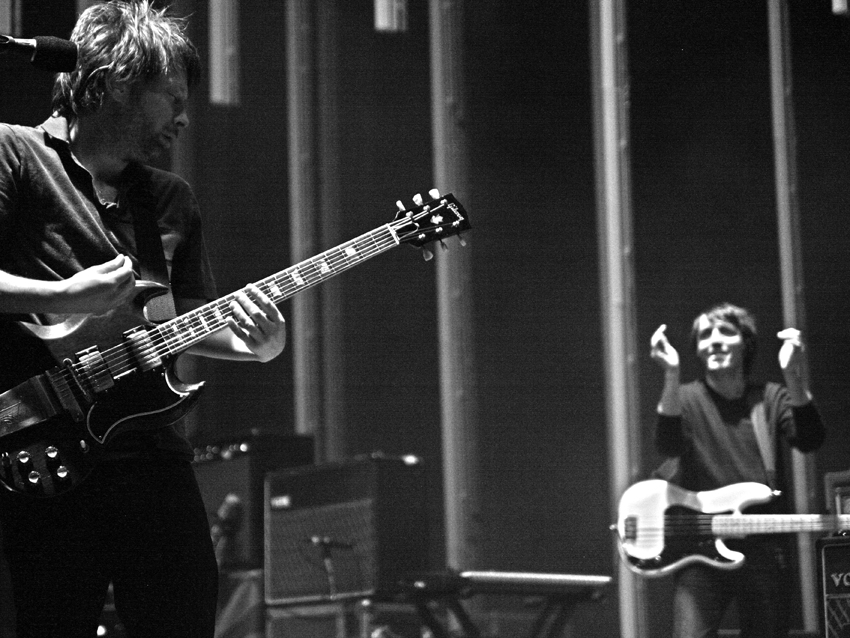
{"x":229,"y":514}
{"x":45,"y":52}
{"x":228,"y":521}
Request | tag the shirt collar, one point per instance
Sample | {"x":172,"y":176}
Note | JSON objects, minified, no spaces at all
{"x":56,"y":126}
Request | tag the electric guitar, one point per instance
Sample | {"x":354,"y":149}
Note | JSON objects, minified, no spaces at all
{"x":663,"y":527}
{"x":115,"y":371}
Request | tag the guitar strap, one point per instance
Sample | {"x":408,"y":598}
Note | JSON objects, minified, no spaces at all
{"x":764,"y":437}
{"x":142,"y":207}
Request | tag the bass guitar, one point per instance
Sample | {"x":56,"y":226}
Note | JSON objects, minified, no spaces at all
{"x":101,"y":375}
{"x":662,"y":527}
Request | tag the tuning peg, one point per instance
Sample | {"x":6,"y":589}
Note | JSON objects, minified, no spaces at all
{"x":461,"y":240}
{"x":434,"y":193}
{"x":443,"y":245}
{"x":400,"y":206}
{"x":417,"y":199}
{"x":427,"y":255}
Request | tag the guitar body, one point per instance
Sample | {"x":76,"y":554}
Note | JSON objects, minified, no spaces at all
{"x":53,"y":456}
{"x":662,"y":527}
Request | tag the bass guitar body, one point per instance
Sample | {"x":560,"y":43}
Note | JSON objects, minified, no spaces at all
{"x":662,"y":527}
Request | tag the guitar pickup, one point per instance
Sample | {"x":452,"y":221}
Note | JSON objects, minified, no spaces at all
{"x":95,"y":370}
{"x":139,"y":341}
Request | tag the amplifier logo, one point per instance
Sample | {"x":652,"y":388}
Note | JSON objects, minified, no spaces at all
{"x":835,"y":567}
{"x":840,"y":579}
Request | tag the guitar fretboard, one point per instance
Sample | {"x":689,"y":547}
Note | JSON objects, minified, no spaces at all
{"x":181,"y":333}
{"x":745,"y":524}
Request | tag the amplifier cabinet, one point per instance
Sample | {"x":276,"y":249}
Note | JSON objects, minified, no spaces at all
{"x":350,"y":529}
{"x":834,"y":576}
{"x":230,"y":475}
{"x":360,"y":619}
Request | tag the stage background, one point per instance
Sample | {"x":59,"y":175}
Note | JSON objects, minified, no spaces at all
{"x":704,"y":232}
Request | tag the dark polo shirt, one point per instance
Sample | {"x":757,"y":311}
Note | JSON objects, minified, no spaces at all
{"x":52,"y":225}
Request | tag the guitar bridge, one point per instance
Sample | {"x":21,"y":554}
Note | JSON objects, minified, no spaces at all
{"x":58,"y":378}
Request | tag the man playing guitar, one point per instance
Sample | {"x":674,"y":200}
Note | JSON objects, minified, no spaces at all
{"x":76,"y":196}
{"x":725,"y":429}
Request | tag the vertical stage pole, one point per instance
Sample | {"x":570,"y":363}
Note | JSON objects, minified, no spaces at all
{"x":333,"y":348}
{"x":791,"y":269}
{"x":458,"y":385}
{"x":305,"y":332}
{"x":616,"y":261}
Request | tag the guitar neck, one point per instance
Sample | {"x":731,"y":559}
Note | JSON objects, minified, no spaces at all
{"x":179,"y":334}
{"x":746,"y":524}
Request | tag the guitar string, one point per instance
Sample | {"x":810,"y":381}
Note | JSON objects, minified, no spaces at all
{"x":330,"y":258}
{"x":215,"y":313}
{"x":311,"y":272}
{"x":705,"y":523}
{"x":117,"y":358}
{"x":306,"y":271}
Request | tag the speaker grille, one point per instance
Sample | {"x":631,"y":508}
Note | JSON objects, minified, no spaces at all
{"x":305,"y":569}
{"x":343,"y":530}
{"x":344,"y":620}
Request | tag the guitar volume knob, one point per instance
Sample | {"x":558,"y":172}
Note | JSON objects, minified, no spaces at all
{"x":52,"y":452}
{"x":23,"y":457}
{"x":34,"y":477}
{"x":62,"y":472}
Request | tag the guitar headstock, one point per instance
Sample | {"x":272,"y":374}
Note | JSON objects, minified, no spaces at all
{"x":440,"y":217}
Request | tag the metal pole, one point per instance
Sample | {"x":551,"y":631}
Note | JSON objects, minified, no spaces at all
{"x":791,"y":269}
{"x":333,"y":350}
{"x":613,"y":187}
{"x":305,"y":331}
{"x":458,"y":387}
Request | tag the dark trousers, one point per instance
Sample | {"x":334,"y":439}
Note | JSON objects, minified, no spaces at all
{"x":137,"y":523}
{"x":762,"y":589}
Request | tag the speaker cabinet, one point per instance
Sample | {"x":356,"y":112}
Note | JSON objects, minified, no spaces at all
{"x":363,"y":619}
{"x":834,"y":576}
{"x":349,"y":529}
{"x":230,"y":475}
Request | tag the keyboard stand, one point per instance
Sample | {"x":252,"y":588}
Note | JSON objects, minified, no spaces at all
{"x":561,"y":592}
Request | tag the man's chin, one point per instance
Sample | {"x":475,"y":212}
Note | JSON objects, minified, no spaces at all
{"x":722,"y":363}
